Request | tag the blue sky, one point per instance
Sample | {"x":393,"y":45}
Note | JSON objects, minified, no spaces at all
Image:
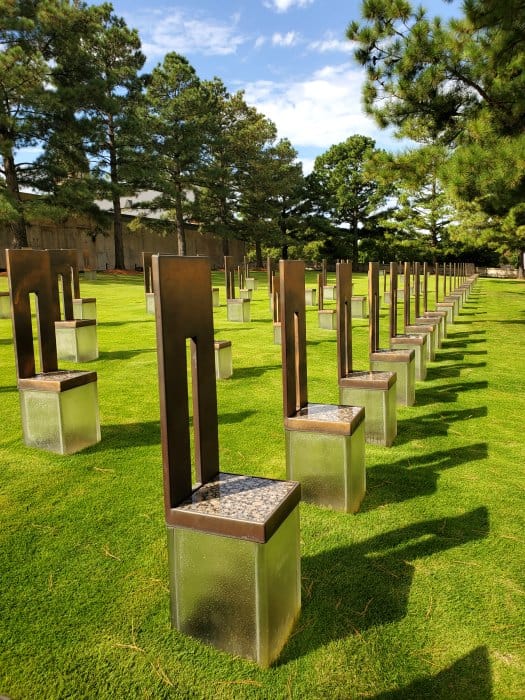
{"x":290,"y":57}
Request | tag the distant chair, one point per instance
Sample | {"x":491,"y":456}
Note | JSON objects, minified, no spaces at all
{"x":59,"y":407}
{"x":325,"y":444}
{"x":148,"y":283}
{"x":233,"y":540}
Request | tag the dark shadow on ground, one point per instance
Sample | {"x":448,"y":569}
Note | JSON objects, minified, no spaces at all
{"x":408,"y":478}
{"x":461,"y":343}
{"x":460,"y":355}
{"x":434,"y":423}
{"x":469,"y":677}
{"x":516,"y":321}
{"x":247,"y":372}
{"x":123,"y":354}
{"x":466,"y":334}
{"x":352,"y":588}
{"x":124,"y":323}
{"x":446,"y":393}
{"x":8,"y":389}
{"x":6,"y":341}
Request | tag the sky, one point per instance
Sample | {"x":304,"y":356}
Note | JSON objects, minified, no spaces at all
{"x":290,"y":57}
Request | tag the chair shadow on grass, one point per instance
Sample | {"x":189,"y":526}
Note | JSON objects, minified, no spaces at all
{"x":396,"y":482}
{"x":347,"y":590}
{"x":461,"y":343}
{"x":447,"y":371}
{"x":459,"y":355}
{"x":468,"y":677}
{"x":123,"y":354}
{"x":447,"y":393}
{"x":126,"y":435}
{"x":435,"y":424}
{"x":248,"y":372}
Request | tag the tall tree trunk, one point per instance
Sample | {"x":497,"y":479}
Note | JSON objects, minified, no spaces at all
{"x":117,"y":212}
{"x":179,"y":218}
{"x":18,"y":227}
{"x":258,"y":254}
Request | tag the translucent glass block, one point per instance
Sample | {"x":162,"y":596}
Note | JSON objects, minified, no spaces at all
{"x":238,"y":310}
{"x":240,"y":596}
{"x":387,"y":299}
{"x":456,"y":298}
{"x":359,"y":307}
{"x":277,"y":336}
{"x":330,"y":292}
{"x":330,"y":468}
{"x":310,"y":297}
{"x":223,"y":360}
{"x":442,"y":316}
{"x":60,"y":421}
{"x":251,"y":283}
{"x":5,"y":305}
{"x":150,"y":303}
{"x":90,"y":275}
{"x":85,"y":309}
{"x":449,"y":308}
{"x":430,"y":335}
{"x":436,"y":324}
{"x":328,"y":319}
{"x":380,"y":411}
{"x":406,"y":378}
{"x":215,"y":297}
{"x":245,"y":294}
{"x":77,"y":343}
{"x":400,"y":342}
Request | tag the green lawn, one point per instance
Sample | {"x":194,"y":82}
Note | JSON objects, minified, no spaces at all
{"x":421,"y":594}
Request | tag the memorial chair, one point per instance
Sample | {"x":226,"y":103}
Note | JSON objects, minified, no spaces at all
{"x":276,"y":309}
{"x":76,"y":338}
{"x":406,"y":340}
{"x":325,"y":445}
{"x":327,"y":318}
{"x":400,"y":361}
{"x":59,"y":407}
{"x":237,"y":310}
{"x":434,"y":323}
{"x":148,"y":283}
{"x":233,"y":540}
{"x":5,"y":305}
{"x":428,"y":329}
{"x":375,"y":391}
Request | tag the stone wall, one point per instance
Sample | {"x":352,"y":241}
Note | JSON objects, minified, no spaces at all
{"x":98,"y":251}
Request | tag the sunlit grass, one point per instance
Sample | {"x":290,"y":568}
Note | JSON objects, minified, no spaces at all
{"x":421,"y":594}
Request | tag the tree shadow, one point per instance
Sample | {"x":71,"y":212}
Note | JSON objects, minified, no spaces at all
{"x":435,"y":424}
{"x":448,"y":392}
{"x":400,"y":481}
{"x":350,"y":589}
{"x":6,"y":341}
{"x":468,"y":677}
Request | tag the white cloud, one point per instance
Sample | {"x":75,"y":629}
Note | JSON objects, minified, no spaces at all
{"x":285,"y":5}
{"x":184,"y":34}
{"x":330,"y":42}
{"x":259,"y":42}
{"x":319,"y":111}
{"x":288,"y":39}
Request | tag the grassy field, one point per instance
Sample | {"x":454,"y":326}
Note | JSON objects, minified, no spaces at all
{"x":421,"y":594}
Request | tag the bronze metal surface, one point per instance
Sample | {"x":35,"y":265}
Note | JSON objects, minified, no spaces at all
{"x":183,"y":308}
{"x":241,"y":277}
{"x":293,"y":334}
{"x":76,"y":323}
{"x":406,"y":296}
{"x":218,"y":344}
{"x":229,"y":277}
{"x":373,"y":306}
{"x":326,"y":418}
{"x":276,"y":299}
{"x":398,"y":355}
{"x":244,"y":529}
{"x":392,"y":315}
{"x":406,"y":338}
{"x":64,"y":264}
{"x":324,"y":271}
{"x":146,"y":266}
{"x":343,"y":276}
{"x":58,"y":381}
{"x":368,"y":380}
{"x":29,"y":272}
{"x":417,"y":290}
{"x":269,"y":274}
{"x":425,"y":288}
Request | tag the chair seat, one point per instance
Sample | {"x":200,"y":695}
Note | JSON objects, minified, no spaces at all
{"x":58,"y":381}
{"x":368,"y":380}
{"x":407,"y":338}
{"x":245,"y":507}
{"x":392,"y":355}
{"x":326,"y":418}
{"x":218,"y":344}
{"x":76,"y":323}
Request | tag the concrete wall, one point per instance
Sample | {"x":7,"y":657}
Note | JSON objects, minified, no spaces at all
{"x":98,"y":252}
